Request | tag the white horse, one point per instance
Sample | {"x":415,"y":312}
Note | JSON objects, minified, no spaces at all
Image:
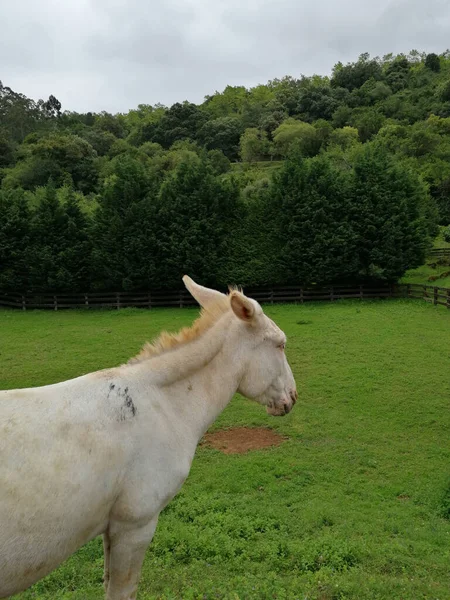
{"x":104,"y":453}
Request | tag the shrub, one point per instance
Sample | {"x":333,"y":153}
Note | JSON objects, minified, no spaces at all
{"x":446,"y":234}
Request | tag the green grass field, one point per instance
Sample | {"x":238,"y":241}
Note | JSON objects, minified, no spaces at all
{"x":439,"y":242}
{"x":355,"y":504}
{"x":266,"y":166}
{"x":423,"y":273}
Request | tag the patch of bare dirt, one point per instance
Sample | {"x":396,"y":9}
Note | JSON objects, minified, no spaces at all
{"x":403,"y":497}
{"x":239,"y":440}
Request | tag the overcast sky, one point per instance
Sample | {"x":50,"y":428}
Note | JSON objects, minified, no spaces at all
{"x":115,"y":54}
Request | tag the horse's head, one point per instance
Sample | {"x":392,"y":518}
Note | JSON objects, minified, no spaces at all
{"x":265,"y":374}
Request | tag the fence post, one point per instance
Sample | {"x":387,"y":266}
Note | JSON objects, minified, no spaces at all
{"x":448,"y":298}
{"x":435,"y":295}
{"x":24,"y":305}
{"x":332,"y":294}
{"x":55,"y":303}
{"x":361,"y":291}
{"x":86,"y":301}
{"x":301,"y":296}
{"x":118,"y":300}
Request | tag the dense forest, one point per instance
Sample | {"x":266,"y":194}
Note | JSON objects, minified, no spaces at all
{"x":310,"y":180}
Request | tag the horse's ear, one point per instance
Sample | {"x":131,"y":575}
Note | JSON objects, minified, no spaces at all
{"x":203,"y":295}
{"x":244,"y":308}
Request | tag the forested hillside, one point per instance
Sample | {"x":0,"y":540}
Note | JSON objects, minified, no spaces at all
{"x":310,"y":180}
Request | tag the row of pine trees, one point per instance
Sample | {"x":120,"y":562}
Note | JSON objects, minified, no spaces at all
{"x":317,"y":221}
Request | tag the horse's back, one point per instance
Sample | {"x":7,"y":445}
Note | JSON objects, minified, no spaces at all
{"x":61,"y":462}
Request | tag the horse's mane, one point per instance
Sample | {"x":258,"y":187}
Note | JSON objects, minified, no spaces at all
{"x":168,"y":341}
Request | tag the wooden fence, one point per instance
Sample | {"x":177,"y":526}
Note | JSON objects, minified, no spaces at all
{"x":439,"y":254}
{"x":182,"y":298}
{"x":434,"y":295}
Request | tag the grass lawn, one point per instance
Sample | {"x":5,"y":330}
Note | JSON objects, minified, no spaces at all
{"x":422,"y":274}
{"x":354,"y":504}
{"x":267,"y":166}
{"x":439,"y":242}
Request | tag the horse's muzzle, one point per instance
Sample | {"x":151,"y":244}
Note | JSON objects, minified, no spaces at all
{"x":284,"y":407}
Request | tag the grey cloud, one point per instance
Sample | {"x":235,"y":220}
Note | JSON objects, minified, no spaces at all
{"x":418,"y":23}
{"x":139,"y":32}
{"x":114,"y":54}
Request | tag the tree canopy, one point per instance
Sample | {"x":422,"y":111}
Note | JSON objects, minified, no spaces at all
{"x":308,"y":179}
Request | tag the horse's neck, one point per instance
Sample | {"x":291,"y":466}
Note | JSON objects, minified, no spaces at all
{"x":175,"y":365}
{"x":200,"y":378}
{"x":203,"y":395}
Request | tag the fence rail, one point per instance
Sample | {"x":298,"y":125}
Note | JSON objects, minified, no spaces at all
{"x":182,"y":298}
{"x":432,"y":294}
{"x":439,"y":253}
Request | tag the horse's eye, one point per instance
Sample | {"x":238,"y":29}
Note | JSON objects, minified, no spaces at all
{"x":282,"y":346}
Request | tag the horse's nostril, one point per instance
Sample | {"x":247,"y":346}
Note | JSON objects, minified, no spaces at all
{"x":294,"y":396}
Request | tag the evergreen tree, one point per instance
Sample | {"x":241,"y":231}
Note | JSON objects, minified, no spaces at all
{"x":196,"y":213}
{"x":180,"y":122}
{"x":14,"y":241}
{"x":315,"y":229}
{"x":128,"y":185}
{"x":389,"y":202}
{"x":432,"y":62}
{"x":222,"y":134}
{"x":140,"y":246}
{"x":75,"y":255}
{"x":49,"y":224}
{"x":251,"y":259}
{"x":107,"y":250}
{"x":6,"y":150}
